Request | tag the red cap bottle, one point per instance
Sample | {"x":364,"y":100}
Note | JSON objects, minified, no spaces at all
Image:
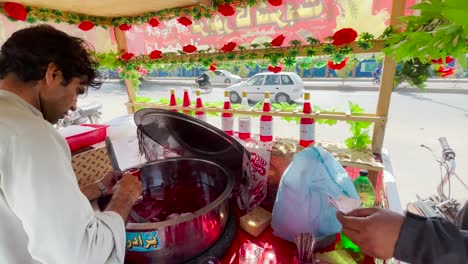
{"x":266,"y":121}
{"x":186,"y":102}
{"x":307,"y":134}
{"x":172,"y":100}
{"x":227,"y":120}
{"x":199,"y":104}
{"x":244,"y":120}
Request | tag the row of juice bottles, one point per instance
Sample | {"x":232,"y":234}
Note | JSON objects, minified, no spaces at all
{"x":307,"y":136}
{"x":307,"y":125}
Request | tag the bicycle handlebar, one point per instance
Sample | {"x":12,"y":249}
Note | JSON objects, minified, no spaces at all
{"x":447,"y":152}
{"x":444,"y":143}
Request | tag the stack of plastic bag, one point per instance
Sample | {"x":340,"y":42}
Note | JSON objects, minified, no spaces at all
{"x":302,"y":203}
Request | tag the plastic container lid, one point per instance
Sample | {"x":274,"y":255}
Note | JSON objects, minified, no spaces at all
{"x":97,"y":134}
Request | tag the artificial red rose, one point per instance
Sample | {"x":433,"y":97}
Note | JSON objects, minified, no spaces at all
{"x":189,"y":48}
{"x":444,"y":72}
{"x":185,"y":21}
{"x":154,"y":22}
{"x":226,"y":10}
{"x":155,"y":54}
{"x":125,"y":27}
{"x":448,"y":72}
{"x":278,"y":41}
{"x":229,"y":47}
{"x":213,"y":67}
{"x":448,"y":59}
{"x":275,"y":69}
{"x":15,"y":10}
{"x":127,"y":56}
{"x":338,"y":66}
{"x":86,"y":25}
{"x":344,"y":36}
{"x":275,"y":2}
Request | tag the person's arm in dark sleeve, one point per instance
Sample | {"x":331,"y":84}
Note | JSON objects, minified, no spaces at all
{"x":431,"y":241}
{"x":462,"y":218}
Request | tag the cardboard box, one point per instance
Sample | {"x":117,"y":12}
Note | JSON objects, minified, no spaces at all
{"x":256,"y":221}
{"x":91,"y":164}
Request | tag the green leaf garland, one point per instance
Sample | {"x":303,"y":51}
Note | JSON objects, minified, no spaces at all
{"x":196,"y":12}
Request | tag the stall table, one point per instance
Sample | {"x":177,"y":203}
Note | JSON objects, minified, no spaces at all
{"x":281,"y":152}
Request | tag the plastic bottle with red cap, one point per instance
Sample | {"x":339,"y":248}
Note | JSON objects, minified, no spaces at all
{"x":172,"y":100}
{"x":199,"y":104}
{"x":227,"y":119}
{"x":266,"y":121}
{"x":307,"y":130}
{"x":186,"y":102}
{"x":244,"y":120}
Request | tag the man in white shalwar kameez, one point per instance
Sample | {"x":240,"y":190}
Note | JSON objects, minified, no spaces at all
{"x":44,"y":217}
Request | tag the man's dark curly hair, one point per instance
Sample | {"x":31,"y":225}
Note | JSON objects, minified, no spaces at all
{"x":29,"y":51}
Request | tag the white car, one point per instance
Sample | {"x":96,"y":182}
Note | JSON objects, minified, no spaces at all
{"x":222,"y":76}
{"x":284,"y":87}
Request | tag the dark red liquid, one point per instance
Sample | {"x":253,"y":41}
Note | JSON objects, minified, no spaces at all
{"x":160,"y":202}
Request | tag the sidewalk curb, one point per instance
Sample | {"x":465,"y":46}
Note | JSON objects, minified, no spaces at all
{"x":399,"y":90}
{"x":340,"y":87}
{"x":320,"y":79}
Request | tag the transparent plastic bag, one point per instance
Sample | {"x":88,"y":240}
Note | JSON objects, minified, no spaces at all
{"x":302,"y":203}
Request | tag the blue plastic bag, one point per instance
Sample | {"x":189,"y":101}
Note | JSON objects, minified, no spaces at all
{"x":302,"y":203}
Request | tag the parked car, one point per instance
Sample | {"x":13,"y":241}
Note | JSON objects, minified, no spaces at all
{"x":283,"y":87}
{"x":222,"y":76}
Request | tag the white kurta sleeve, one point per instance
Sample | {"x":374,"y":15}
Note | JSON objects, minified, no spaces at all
{"x":41,"y":189}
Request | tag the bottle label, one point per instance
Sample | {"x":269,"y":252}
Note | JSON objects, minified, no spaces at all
{"x":244,"y":125}
{"x":202,"y":117}
{"x":266,"y":128}
{"x":227,"y":123}
{"x":307,"y":132}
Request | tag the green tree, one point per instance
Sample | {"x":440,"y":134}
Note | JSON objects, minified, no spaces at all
{"x":350,"y":66}
{"x":243,"y":71}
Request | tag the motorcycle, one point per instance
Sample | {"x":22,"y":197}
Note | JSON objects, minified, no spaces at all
{"x":85,"y":114}
{"x":375,"y":79}
{"x":440,"y":204}
{"x":207,"y":87}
